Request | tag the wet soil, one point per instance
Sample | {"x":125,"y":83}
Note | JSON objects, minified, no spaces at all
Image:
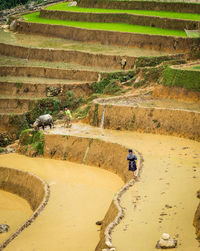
{"x":164,"y":199}
{"x":9,"y":37}
{"x":14,"y":211}
{"x":76,"y":203}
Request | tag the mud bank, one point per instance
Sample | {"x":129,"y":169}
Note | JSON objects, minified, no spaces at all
{"x":28,"y":186}
{"x":160,"y":22}
{"x":154,"y":42}
{"x":145,"y":119}
{"x":48,"y":73}
{"x":143,"y":5}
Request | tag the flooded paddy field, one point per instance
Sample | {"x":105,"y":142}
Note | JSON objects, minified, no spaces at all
{"x":14,"y":211}
{"x":76,"y":203}
{"x":9,"y":37}
{"x":164,"y":199}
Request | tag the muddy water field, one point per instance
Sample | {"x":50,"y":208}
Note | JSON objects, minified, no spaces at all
{"x":76,"y":203}
{"x":164,"y":199}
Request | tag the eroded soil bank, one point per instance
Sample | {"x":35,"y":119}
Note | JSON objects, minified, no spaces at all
{"x":14,"y":211}
{"x":76,"y":203}
{"x":164,"y":199}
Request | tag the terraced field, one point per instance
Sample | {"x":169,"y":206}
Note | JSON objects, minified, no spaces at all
{"x":67,"y":54}
{"x":177,"y":15}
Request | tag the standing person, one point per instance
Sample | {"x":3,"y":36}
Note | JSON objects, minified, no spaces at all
{"x":68,"y":118}
{"x":132,"y":158}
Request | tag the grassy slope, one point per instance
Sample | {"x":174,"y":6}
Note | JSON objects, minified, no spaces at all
{"x":189,"y":79}
{"x":186,"y":16}
{"x":34,"y":18}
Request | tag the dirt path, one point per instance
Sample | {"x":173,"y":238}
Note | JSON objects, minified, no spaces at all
{"x":76,"y":203}
{"x":164,"y":200}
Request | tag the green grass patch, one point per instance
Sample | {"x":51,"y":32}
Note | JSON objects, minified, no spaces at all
{"x":33,"y":138}
{"x":2,"y":149}
{"x":197,"y":67}
{"x":186,"y":16}
{"x":182,"y":78}
{"x":34,"y":18}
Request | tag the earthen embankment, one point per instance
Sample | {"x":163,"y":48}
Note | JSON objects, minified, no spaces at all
{"x":143,"y":5}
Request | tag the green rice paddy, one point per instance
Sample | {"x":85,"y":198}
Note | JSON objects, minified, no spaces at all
{"x":34,"y":18}
{"x":186,"y":16}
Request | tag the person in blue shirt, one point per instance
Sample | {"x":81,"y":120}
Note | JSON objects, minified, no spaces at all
{"x":132,"y":158}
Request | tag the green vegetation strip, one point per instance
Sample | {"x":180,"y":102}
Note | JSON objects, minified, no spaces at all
{"x":186,"y":16}
{"x":196,"y":67}
{"x":34,"y":18}
{"x":182,"y":78}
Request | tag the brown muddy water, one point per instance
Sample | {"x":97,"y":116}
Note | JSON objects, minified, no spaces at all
{"x":164,"y":199}
{"x":14,"y":211}
{"x":79,"y":196}
{"x":9,"y":37}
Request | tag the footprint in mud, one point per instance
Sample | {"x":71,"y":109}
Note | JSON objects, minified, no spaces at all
{"x":168,"y":206}
{"x":185,"y":147}
{"x":163,"y":214}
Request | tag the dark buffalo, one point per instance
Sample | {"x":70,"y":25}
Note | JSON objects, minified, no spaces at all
{"x":42,"y":121}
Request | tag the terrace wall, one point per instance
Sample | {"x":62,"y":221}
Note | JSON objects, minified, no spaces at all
{"x":142,"y":5}
{"x":148,"y":120}
{"x":83,"y":58}
{"x":26,"y":71}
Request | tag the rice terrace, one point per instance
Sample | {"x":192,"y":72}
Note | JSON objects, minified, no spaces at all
{"x":99,"y":125}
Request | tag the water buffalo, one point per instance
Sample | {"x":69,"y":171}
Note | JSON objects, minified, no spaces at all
{"x":43,"y":121}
